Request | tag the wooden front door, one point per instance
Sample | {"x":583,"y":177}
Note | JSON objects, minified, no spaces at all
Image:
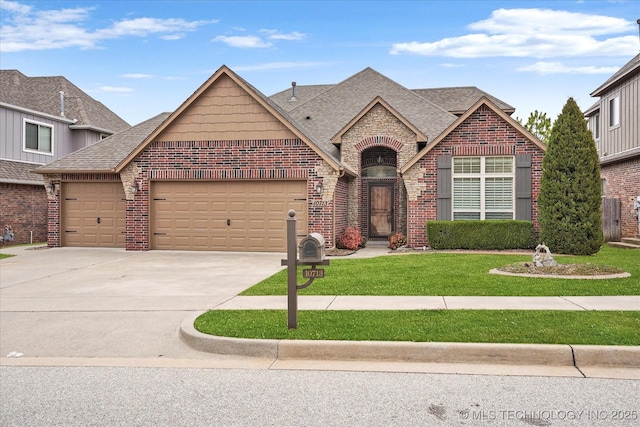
{"x":380,"y":210}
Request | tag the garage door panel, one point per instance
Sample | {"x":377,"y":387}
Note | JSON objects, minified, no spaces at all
{"x":83,"y":203}
{"x":195,"y":214}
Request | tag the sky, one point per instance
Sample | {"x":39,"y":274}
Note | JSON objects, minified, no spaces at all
{"x":142,"y":57}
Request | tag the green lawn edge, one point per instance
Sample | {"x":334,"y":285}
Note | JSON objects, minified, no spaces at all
{"x":435,"y":273}
{"x":474,"y":326}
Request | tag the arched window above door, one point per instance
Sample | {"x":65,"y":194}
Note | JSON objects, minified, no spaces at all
{"x":381,"y":171}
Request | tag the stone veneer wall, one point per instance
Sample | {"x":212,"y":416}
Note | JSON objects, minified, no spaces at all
{"x":623,"y":182}
{"x":340,"y":200}
{"x":484,"y":133}
{"x":23,"y":208}
{"x":377,"y":128}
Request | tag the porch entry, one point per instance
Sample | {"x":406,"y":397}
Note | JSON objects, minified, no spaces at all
{"x":381,"y":197}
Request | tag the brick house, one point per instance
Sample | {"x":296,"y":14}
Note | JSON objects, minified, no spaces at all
{"x":42,"y":119}
{"x":615,"y":125}
{"x":221,"y":172}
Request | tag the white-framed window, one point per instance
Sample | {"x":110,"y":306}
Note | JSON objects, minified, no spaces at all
{"x":38,"y":137}
{"x":614,"y":111}
{"x":596,"y":126}
{"x":483,"y":188}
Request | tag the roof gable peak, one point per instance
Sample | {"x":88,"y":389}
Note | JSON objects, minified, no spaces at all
{"x":484,"y":101}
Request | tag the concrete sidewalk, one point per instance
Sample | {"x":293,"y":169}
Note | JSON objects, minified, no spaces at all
{"x":348,"y":302}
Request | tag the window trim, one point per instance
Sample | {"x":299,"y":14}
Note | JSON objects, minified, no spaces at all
{"x":614,"y":107}
{"x":24,"y":136}
{"x":483,"y":175}
{"x":596,"y":126}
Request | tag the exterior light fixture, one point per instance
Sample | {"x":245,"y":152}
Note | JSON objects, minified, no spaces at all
{"x":51,"y":188}
{"x":134,"y":187}
{"x":319,"y":187}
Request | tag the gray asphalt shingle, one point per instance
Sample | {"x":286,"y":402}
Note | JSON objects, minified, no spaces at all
{"x":43,"y":94}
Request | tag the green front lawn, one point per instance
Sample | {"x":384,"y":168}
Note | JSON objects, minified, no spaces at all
{"x":457,"y":274}
{"x":488,"y":326}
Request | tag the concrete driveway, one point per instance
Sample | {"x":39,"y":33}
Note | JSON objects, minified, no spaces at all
{"x":110,"y":303}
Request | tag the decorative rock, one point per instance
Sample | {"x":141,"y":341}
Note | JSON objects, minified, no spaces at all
{"x":543,"y":259}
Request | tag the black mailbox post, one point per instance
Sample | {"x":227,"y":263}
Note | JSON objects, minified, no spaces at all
{"x":312,"y":253}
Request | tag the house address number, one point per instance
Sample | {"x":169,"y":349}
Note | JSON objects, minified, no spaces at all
{"x":312,"y":273}
{"x":321,"y":203}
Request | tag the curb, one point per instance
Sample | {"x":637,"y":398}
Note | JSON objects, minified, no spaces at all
{"x":419,"y":352}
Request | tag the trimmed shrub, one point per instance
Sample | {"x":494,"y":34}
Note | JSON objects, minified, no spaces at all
{"x":350,"y":239}
{"x":487,"y":235}
{"x":397,"y":240}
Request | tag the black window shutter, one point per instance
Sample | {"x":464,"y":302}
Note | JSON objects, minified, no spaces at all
{"x":444,"y":188}
{"x":523,"y":187}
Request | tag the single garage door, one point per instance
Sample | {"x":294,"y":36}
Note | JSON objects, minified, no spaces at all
{"x":93,"y":214}
{"x":229,"y":215}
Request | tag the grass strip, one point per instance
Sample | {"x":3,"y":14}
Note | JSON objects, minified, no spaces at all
{"x":482,"y":326}
{"x":457,"y":274}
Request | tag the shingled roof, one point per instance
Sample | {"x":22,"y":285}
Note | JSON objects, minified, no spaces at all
{"x":43,"y":94}
{"x":457,"y":100}
{"x":330,"y":110}
{"x":105,"y":155}
{"x":19,"y":173}
{"x":303,"y":94}
{"x":622,"y":73}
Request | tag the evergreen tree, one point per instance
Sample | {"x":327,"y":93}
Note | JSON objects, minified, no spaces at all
{"x":539,"y":125}
{"x":569,"y":201}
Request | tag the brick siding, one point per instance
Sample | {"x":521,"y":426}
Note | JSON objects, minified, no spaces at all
{"x":623,"y":182}
{"x":24,"y":208}
{"x":483,"y":133}
{"x":226,"y":160}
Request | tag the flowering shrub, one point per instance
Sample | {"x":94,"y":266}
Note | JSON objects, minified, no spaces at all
{"x":349,"y":239}
{"x":397,"y":240}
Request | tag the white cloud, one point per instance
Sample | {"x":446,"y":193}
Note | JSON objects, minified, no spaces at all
{"x":538,"y":33}
{"x":559,"y":68}
{"x":450,"y":65}
{"x":115,"y":89}
{"x":547,"y":21}
{"x":137,"y":76}
{"x":250,"y":42}
{"x":277,"y":66}
{"x":276,"y":35}
{"x":24,"y":28}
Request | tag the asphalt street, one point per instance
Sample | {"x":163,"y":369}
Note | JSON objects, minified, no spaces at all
{"x":54,"y":396}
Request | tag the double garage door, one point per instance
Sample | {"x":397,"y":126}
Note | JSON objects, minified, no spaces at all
{"x":229,"y":215}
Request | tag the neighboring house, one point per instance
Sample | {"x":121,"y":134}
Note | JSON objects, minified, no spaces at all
{"x":221,"y":172}
{"x":615,"y":123}
{"x":42,"y":119}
